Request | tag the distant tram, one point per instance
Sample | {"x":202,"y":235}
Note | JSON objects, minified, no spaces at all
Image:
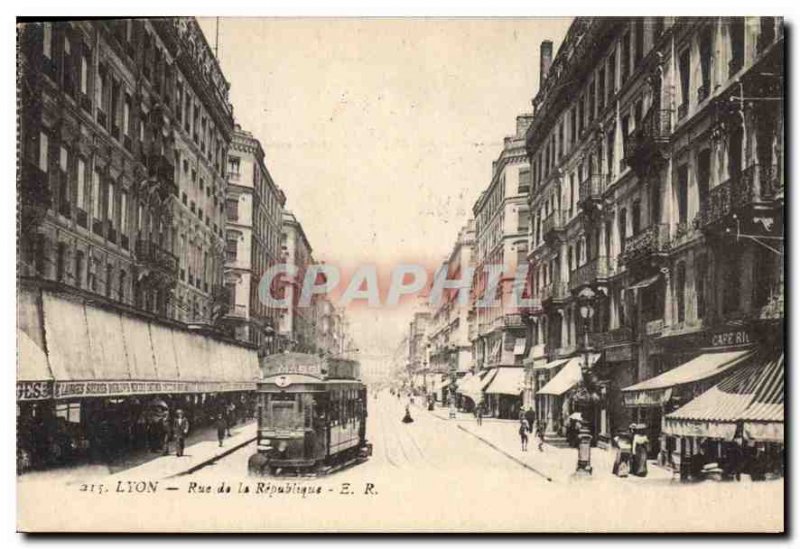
{"x":312,"y":416}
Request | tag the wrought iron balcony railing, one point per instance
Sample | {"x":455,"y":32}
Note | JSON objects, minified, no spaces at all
{"x":652,"y":241}
{"x":592,"y":272}
{"x":756,"y":184}
{"x":153,"y":255}
{"x":554,"y":225}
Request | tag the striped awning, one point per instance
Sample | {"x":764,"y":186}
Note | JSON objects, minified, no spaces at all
{"x":657,"y":390}
{"x":752,"y":395}
{"x":568,"y":377}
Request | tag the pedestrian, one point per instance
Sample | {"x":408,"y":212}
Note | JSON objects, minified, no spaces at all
{"x":540,"y":435}
{"x":622,"y":462}
{"x":524,"y":429}
{"x":164,"y":433}
{"x":221,"y":425}
{"x":479,"y":413}
{"x":407,"y":418}
{"x":530,"y":416}
{"x":181,"y":428}
{"x":735,"y":459}
{"x":231,"y":417}
{"x":639,"y":450}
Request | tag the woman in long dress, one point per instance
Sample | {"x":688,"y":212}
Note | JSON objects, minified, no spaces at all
{"x":407,"y":418}
{"x":640,"y":444}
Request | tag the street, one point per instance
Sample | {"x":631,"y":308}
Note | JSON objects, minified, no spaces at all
{"x":429,"y":446}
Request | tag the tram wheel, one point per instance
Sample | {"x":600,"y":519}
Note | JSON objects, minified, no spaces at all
{"x":257,"y":464}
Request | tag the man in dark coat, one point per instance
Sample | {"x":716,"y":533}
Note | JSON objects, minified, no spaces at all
{"x":530,"y":417}
{"x":181,"y":428}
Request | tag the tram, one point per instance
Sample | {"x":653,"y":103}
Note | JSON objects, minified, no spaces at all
{"x":312,"y":416}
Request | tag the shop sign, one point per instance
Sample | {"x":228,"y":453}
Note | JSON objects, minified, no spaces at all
{"x":730,"y":338}
{"x":307,"y":369}
{"x":34,"y":390}
{"x":77,"y":389}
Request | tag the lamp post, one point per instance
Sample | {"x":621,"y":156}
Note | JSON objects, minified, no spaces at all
{"x":586,"y":310}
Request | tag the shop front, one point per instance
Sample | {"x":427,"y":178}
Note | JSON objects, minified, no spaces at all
{"x":734,"y":428}
{"x":555,"y":398}
{"x":92,"y":381}
{"x":504,"y":393}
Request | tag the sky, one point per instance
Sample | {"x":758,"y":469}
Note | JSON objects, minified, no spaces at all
{"x":381,"y":132}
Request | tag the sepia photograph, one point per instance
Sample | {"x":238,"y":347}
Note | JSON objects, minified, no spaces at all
{"x":400,"y":274}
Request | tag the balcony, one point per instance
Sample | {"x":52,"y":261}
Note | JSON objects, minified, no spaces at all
{"x":618,"y":336}
{"x":554,"y":293}
{"x":237,"y":311}
{"x":757,"y":187}
{"x":654,"y":327}
{"x":554,"y":225}
{"x":34,"y":195}
{"x":593,"y":273}
{"x":150,"y":254}
{"x":648,"y":144}
{"x":590,"y":192}
{"x":162,"y":170}
{"x":651,"y":243}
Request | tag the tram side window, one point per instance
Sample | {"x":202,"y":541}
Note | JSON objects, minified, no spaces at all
{"x":71,"y":412}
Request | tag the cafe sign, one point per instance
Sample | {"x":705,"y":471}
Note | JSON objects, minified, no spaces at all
{"x":731,"y":337}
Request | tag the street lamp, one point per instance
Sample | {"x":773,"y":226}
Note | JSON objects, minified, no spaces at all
{"x":586,"y":310}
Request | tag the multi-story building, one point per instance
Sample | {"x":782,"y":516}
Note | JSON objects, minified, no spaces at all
{"x":254,"y":212}
{"x":124,"y":129}
{"x":450,"y":346}
{"x":298,"y":323}
{"x":502,"y":224}
{"x":418,"y":350}
{"x":657,"y":157}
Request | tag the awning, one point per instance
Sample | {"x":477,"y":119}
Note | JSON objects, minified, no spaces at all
{"x":568,"y":376}
{"x":657,"y":390}
{"x":507,"y":381}
{"x":474,"y":387}
{"x":464,"y":381}
{"x":645,"y":283}
{"x":752,"y":394}
{"x":103,"y":352}
{"x":551,"y":365}
{"x":519,"y":346}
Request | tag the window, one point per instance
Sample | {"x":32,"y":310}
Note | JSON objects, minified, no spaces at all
{"x":638,"y":50}
{"x":612,"y":73}
{"x":61,"y":257}
{"x":706,"y":48}
{"x":683,"y":62}
{"x":626,"y":56}
{"x":680,"y":291}
{"x":110,"y":204}
{"x":47,"y":40}
{"x":123,"y":212}
{"x":43,"y":151}
{"x":109,"y":279}
{"x":121,"y":292}
{"x":601,"y":91}
{"x":524,"y":181}
{"x":96,"y":212}
{"x":636,"y":217}
{"x":126,"y":115}
{"x":683,"y":193}
{"x":84,"y":74}
{"x":78,"y":268}
{"x":232,"y":208}
{"x":736,"y":32}
{"x":623,"y":229}
{"x":80,"y":183}
{"x":523,"y":221}
{"x":700,"y":274}
{"x":231,"y":245}
{"x":703,"y":174}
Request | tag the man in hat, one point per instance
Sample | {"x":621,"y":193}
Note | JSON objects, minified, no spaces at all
{"x":181,"y":428}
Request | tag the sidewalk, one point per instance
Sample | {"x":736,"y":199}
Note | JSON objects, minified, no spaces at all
{"x":554,"y":463}
{"x":443,"y":412}
{"x":194,"y":456}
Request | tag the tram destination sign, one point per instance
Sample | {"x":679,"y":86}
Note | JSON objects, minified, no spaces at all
{"x":302,"y":368}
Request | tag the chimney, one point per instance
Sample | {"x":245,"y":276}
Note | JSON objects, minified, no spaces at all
{"x":545,"y":60}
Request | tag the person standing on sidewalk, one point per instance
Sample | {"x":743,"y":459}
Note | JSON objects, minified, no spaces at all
{"x":479,"y":413}
{"x":540,"y":435}
{"x":524,"y":429}
{"x":531,"y":418}
{"x":221,"y":426}
{"x":181,"y":428}
{"x":164,"y":433}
